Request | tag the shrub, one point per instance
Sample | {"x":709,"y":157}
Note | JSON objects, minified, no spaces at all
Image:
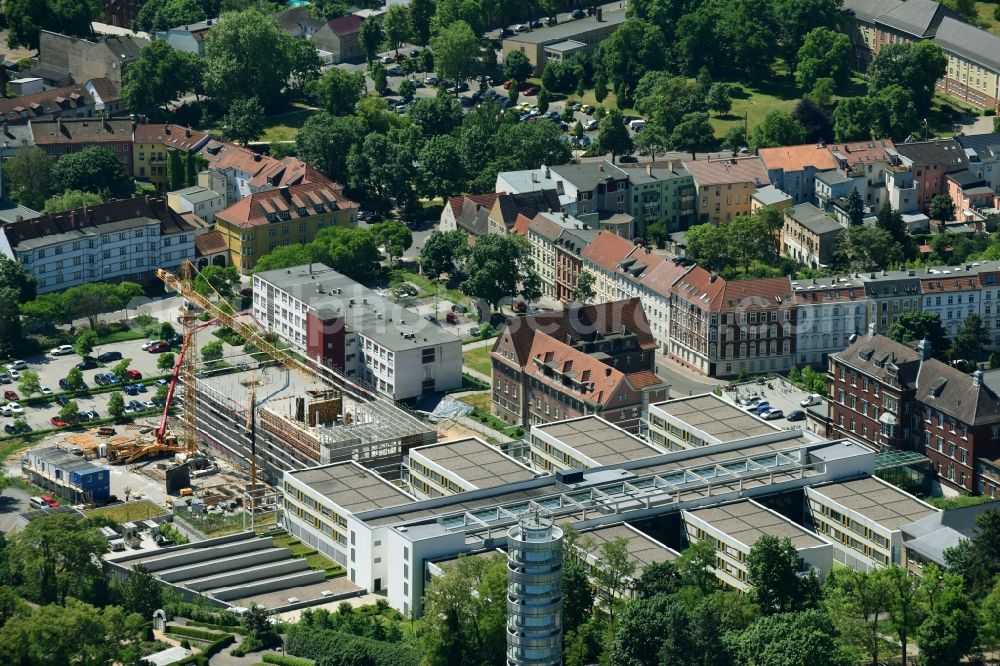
{"x":192,"y":632}
{"x":285,"y":660}
{"x":337,"y":648}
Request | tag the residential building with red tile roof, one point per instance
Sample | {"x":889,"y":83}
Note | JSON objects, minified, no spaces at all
{"x":61,"y":137}
{"x":602,"y":257}
{"x":725,"y":185}
{"x":75,"y":101}
{"x":262,"y":221}
{"x":152,"y":144}
{"x":597,"y":359}
{"x":866,"y":162}
{"x":467,"y":212}
{"x":245,"y":171}
{"x":793,"y":169}
{"x":339,"y":38}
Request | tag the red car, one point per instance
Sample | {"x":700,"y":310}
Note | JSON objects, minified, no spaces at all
{"x":507,"y":84}
{"x":49,"y":501}
{"x":158,"y":347}
{"x":134,"y":374}
{"x":10,"y":395}
{"x":55,"y":421}
{"x":531,"y":90}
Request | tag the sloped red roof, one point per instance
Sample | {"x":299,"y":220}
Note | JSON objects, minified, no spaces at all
{"x":608,"y":249}
{"x":345,"y":25}
{"x":253,"y":211}
{"x":210,"y":242}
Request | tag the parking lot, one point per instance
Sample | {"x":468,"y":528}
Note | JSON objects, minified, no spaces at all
{"x":778,"y":393}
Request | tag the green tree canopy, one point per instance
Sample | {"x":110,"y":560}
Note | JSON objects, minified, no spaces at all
{"x":159,"y":75}
{"x":339,"y":91}
{"x":942,"y":208}
{"x":456,"y":52}
{"x":914,"y":326}
{"x":394,"y":236}
{"x":442,"y":251}
{"x":916,"y":68}
{"x":325,"y":141}
{"x":70,"y":200}
{"x":825,"y":53}
{"x":516,"y":66}
{"x":773,"y":570}
{"x":613,"y":136}
{"x":26,"y":18}
{"x":777,"y":129}
{"x":693,"y":133}
{"x":440,"y":174}
{"x":496,"y":264}
{"x":244,"y":121}
{"x":29,"y":176}
{"x":93,"y":169}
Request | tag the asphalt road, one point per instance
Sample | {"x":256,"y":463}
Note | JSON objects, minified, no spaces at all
{"x":12,"y":502}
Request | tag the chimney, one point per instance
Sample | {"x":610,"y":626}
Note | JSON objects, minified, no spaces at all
{"x":977,"y":377}
{"x":871,"y":330}
{"x":649,"y":170}
{"x":187,"y":132}
{"x":924,"y":349}
{"x":166,"y":129}
{"x":59,"y":124}
{"x":601,"y":167}
{"x":548,"y":174}
{"x":713,"y":277}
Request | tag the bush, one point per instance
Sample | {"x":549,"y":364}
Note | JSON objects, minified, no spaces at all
{"x":285,"y":660}
{"x":192,"y":632}
{"x":336,"y":648}
{"x":186,"y":644}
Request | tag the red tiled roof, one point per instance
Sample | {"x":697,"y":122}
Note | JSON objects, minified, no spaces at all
{"x":45,"y":103}
{"x":345,"y":25}
{"x":521,"y":225}
{"x":608,"y":249}
{"x":700,"y":286}
{"x":769,"y":292}
{"x":174,"y":136}
{"x":930,"y":283}
{"x":210,"y":242}
{"x":663,"y":276}
{"x":730,"y":170}
{"x":642,"y":379}
{"x":481,"y":200}
{"x":797,"y":158}
{"x":862,"y":151}
{"x":252,"y":211}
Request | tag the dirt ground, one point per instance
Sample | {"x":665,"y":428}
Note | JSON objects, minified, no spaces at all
{"x":13,"y":54}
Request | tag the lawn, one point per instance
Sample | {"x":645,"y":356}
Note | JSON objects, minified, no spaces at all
{"x":129,"y":512}
{"x":480,"y":401}
{"x":314,"y":558}
{"x":427,"y":286}
{"x":986,"y":19}
{"x":478,"y":359}
{"x":285,"y":126}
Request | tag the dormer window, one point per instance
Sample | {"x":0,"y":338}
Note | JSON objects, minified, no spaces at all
{"x":301,"y":212}
{"x":320,"y":208}
{"x":285,"y":215}
{"x":270,"y":217}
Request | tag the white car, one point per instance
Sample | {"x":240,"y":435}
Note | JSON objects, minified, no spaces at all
{"x":148,"y":404}
{"x":15,"y":408}
{"x":17,"y":365}
{"x":148,"y":343}
{"x":45,"y":390}
{"x":591,"y":125}
{"x":62,"y":350}
{"x":388,"y":60}
{"x":520,"y":27}
{"x":14,"y":374}
{"x":813,"y":399}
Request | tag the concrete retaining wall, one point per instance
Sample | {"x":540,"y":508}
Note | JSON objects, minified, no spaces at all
{"x":225,"y":563}
{"x":244,"y":576}
{"x":309,"y":577}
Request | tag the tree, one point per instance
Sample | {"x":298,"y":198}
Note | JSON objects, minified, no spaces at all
{"x":394,"y":236}
{"x":496,"y":264}
{"x":407,"y":89}
{"x":213,"y":280}
{"x":708,"y":245}
{"x":141,"y":593}
{"x":69,"y":413}
{"x":325,"y":10}
{"x":339,"y":91}
{"x":371,"y":37}
{"x":777,"y":129}
{"x":613,"y":573}
{"x":825,"y":53}
{"x":116,"y":405}
{"x":749,"y":240}
{"x":74,"y":379}
{"x":167,"y":330}
{"x":916,"y":68}
{"x":25,"y":18}
{"x":516,"y":66}
{"x":905,"y":603}
{"x":71,"y":200}
{"x":772,"y":568}
{"x":855,"y":207}
{"x":584,"y":291}
{"x":856,"y":600}
{"x":864,"y":248}
{"x":718,"y":98}
{"x":421,"y":12}
{"x":735,"y":139}
{"x":979,"y":564}
{"x":854,"y":118}
{"x":440,"y":175}
{"x":166,"y":361}
{"x":465,"y":613}
{"x":380,"y":79}
{"x":29,"y":176}
{"x":11,"y":337}
{"x":383,"y":168}
{"x":543,"y":101}
{"x":441,"y":252}
{"x":158,"y":75}
{"x":797,"y":19}
{"x":244,"y":121}
{"x":436,"y":115}
{"x":85,"y":342}
{"x":93,"y":169}
{"x":643,"y":628}
{"x":613,"y":136}
{"x":949,"y":631}
{"x":59,"y":556}
{"x":351,"y":252}
{"x":892,"y":221}
{"x":652,"y":141}
{"x":970,"y":338}
{"x":814,"y":119}
{"x":325,"y":141}
{"x":234,"y":71}
{"x":635,"y":48}
{"x":120,"y":369}
{"x":803,"y":638}
{"x":29,"y":383}
{"x":577,"y":593}
{"x":212,"y":351}
{"x":456,"y":52}
{"x":942,"y":208}
{"x":913,"y":326}
{"x":658,"y":578}
{"x":693,"y":133}
{"x":396,"y":24}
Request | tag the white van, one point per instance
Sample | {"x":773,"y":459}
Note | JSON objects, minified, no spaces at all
{"x":637,"y":125}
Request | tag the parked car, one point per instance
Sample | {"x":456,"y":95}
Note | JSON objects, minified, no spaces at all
{"x":62,"y":400}
{"x":12,"y":429}
{"x":62,"y":350}
{"x":628,"y":158}
{"x":388,"y":59}
{"x":535,"y":24}
{"x":10,"y":395}
{"x":49,"y":501}
{"x":15,"y":408}
{"x":158,"y":347}
{"x":92,"y":415}
{"x":506,"y":32}
{"x":451,"y":318}
{"x":589,"y":109}
{"x":57,"y":422}
{"x":414,"y":53}
{"x":762,"y":407}
{"x":591,"y":125}
{"x":148,"y":404}
{"x":796,"y":415}
{"x":175,"y":340}
{"x":772,"y":414}
{"x":101,"y":379}
{"x":521,"y":27}
{"x":133,"y":374}
{"x":5,"y":378}
{"x":15,"y":375}
{"x":109,"y":356}
{"x":161,"y":382}
{"x":87,"y":364}
{"x":17,"y":365}
{"x":577,"y":14}
{"x":131,"y":390}
{"x":812,"y":399}
{"x":531,"y":90}
{"x":64,"y":386}
{"x":44,"y":390}
{"x":431,"y":80}
{"x":394,"y":71}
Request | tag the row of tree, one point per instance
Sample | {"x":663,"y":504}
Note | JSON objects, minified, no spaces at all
{"x":91,"y":175}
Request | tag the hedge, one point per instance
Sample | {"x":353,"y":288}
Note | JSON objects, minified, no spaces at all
{"x":209,"y":652}
{"x":236,"y":629}
{"x":191,"y":632}
{"x":336,"y":648}
{"x":285,"y":660}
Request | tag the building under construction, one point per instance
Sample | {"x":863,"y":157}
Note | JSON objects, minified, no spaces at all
{"x":301,"y":420}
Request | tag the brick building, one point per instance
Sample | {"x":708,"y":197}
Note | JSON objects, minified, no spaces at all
{"x":594,"y":359}
{"x":61,"y":137}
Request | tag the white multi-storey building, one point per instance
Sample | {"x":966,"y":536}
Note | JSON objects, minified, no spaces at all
{"x":119,"y":240}
{"x":830,"y":310}
{"x":330,"y":317}
{"x":951,"y":293}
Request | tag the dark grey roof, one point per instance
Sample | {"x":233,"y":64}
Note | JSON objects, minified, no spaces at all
{"x":965,"y":179}
{"x":813,"y":219}
{"x":916,"y":17}
{"x":872,"y":354}
{"x":955,"y":393}
{"x":981,"y":143}
{"x":934,"y":534}
{"x":936,"y":151}
{"x":869,"y":10}
{"x":969,"y":42}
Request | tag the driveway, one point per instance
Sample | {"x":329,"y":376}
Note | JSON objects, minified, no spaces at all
{"x":12,"y":502}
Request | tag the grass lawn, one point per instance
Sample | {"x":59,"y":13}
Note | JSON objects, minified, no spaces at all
{"x":129,"y":512}
{"x":480,"y":401}
{"x":478,"y":359}
{"x":986,"y":20}
{"x":285,"y":126}
{"x":428,"y":287}
{"x":314,"y":559}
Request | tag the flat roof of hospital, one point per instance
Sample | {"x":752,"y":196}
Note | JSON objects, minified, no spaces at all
{"x":602,"y":442}
{"x":746,"y":521}
{"x":352,"y":487}
{"x":642,"y":548}
{"x":715,"y":417}
{"x":877,"y":500}
{"x":477,"y":462}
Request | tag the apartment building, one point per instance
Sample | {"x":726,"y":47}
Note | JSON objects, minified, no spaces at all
{"x":721,"y":328}
{"x":865,"y":162}
{"x":793,"y":169}
{"x":201,"y":201}
{"x":152,"y":146}
{"x":585,"y":442}
{"x":264,"y":220}
{"x":889,"y":295}
{"x":734,"y":529}
{"x":468,"y":212}
{"x":569,"y":260}
{"x":547,"y":43}
{"x":74,"y":101}
{"x":724,"y":186}
{"x":863,"y":518}
{"x":590,"y":359}
{"x":809,"y":235}
{"x":660,"y":194}
{"x":126,"y":239}
{"x":327,"y":316}
{"x":930,"y":162}
{"x":983,"y":151}
{"x":460,"y":466}
{"x":61,"y":137}
{"x":951,"y":293}
{"x":239,"y":172}
{"x":829,"y":311}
